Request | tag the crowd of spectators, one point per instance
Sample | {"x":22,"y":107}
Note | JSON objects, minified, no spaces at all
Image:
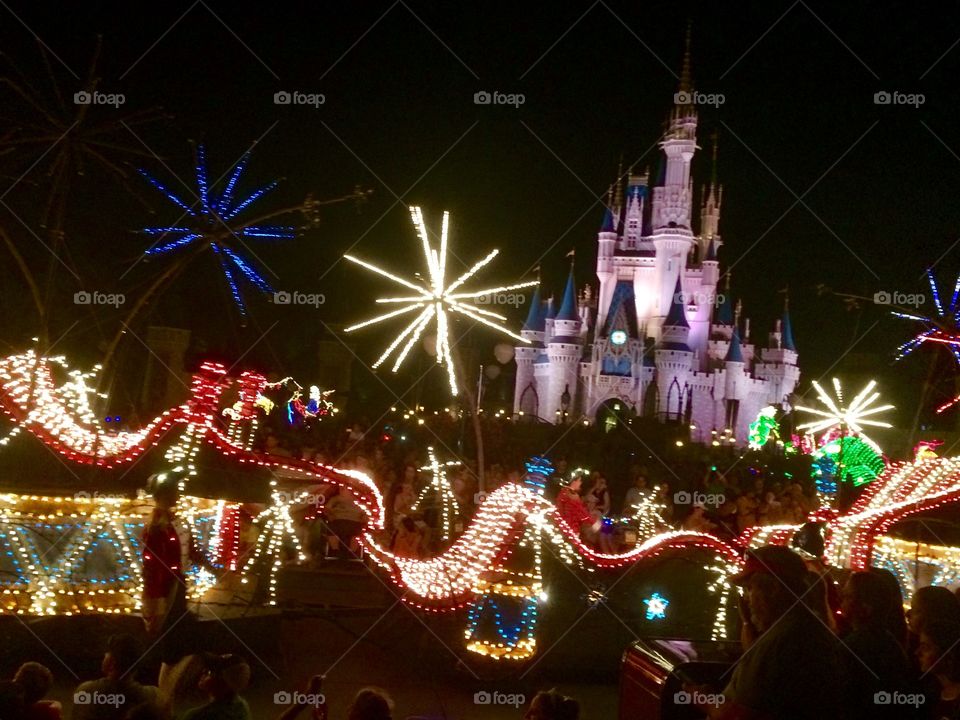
{"x":221,"y":679}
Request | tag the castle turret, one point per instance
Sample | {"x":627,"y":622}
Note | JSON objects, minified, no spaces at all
{"x":564,"y":349}
{"x":606,"y":272}
{"x":526,"y":355}
{"x":674,"y":360}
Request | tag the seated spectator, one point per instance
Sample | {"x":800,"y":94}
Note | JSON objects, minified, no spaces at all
{"x":876,"y":662}
{"x":123,"y":652}
{"x":939,"y":654}
{"x":636,"y":494}
{"x":36,"y":679}
{"x":403,"y":502}
{"x":408,"y":540}
{"x":597,"y":499}
{"x":746,"y":510}
{"x":224,"y":679}
{"x":147,"y":711}
{"x":551,"y":705}
{"x":371,"y":704}
{"x":791,"y":665}
{"x":697,"y":520}
{"x":313,"y":694}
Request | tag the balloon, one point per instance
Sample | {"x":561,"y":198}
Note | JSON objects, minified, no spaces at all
{"x":503,"y":353}
{"x":430,"y":345}
{"x":492,"y":371}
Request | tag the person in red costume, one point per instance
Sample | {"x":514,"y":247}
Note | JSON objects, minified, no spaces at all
{"x":573,"y":510}
{"x":168,"y":552}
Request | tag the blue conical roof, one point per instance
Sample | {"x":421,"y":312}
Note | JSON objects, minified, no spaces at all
{"x":568,"y":308}
{"x":551,"y":311}
{"x":677,"y":317}
{"x":786,"y":332}
{"x":535,"y":317}
{"x":609,"y":223}
{"x":711,"y":251}
{"x":734,"y":352}
{"x":725,"y":311}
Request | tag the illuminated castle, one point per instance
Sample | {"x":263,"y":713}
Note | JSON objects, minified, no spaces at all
{"x":658,"y":339}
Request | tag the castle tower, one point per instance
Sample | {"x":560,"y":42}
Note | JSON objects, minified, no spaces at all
{"x":710,"y":212}
{"x":672,"y":236}
{"x":674,"y":360}
{"x":526,"y":397}
{"x":564,"y":349}
{"x":606,"y":272}
{"x":735,"y":382}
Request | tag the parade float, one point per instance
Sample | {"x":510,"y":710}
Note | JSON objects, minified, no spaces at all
{"x":79,"y":552}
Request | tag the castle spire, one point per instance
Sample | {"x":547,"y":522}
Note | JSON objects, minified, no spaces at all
{"x":535,"y":317}
{"x":686,"y":84}
{"x":568,"y":308}
{"x":786,"y":329}
{"x":677,"y":317}
{"x":734,"y":352}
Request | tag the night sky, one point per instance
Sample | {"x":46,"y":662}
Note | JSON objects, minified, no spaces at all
{"x":824,"y":190}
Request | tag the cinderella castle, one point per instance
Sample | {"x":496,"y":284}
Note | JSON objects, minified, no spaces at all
{"x":660,"y":337}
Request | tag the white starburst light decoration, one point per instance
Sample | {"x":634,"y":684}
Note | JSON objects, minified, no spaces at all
{"x":434,"y":299}
{"x":847,"y":418}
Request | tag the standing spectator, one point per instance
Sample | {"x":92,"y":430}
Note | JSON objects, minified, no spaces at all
{"x":939,"y":654}
{"x":876,"y":662}
{"x":36,"y":679}
{"x":122,"y":654}
{"x":168,"y":552}
{"x":571,"y":507}
{"x":930,"y":603}
{"x":345,"y":520}
{"x":551,"y":705}
{"x":225,"y":677}
{"x":597,"y":499}
{"x":895,"y":620}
